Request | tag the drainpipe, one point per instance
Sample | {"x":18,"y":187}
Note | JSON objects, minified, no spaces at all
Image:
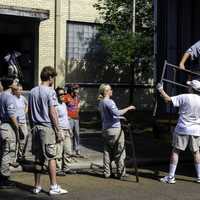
{"x":155,"y":13}
{"x":69,"y":9}
{"x":132,"y":66}
{"x":57,"y":34}
{"x":55,"y":37}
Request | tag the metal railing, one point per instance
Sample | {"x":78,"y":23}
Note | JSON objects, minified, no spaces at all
{"x":113,"y":84}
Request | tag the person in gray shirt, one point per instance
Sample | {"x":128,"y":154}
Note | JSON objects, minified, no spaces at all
{"x":22,"y":108}
{"x":8,"y":132}
{"x":114,"y":143}
{"x":44,"y":123}
{"x":192,"y":54}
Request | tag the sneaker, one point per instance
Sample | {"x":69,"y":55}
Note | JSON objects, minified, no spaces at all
{"x":124,"y":177}
{"x":106,"y":176}
{"x":198,"y":180}
{"x":168,"y":179}
{"x":78,"y":152}
{"x":56,"y":189}
{"x":37,"y":190}
{"x":69,"y":171}
{"x":60,"y":173}
{"x":112,"y":175}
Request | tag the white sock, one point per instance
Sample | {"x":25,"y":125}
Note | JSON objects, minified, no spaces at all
{"x":54,"y":186}
{"x":197,"y":166}
{"x":172,"y":170}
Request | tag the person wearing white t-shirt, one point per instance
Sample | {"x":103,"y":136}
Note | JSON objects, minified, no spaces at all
{"x":64,"y":148}
{"x":22,"y":109}
{"x":187,"y":130}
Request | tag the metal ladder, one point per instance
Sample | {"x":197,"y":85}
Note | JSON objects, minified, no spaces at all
{"x":168,"y":67}
{"x":130,"y":142}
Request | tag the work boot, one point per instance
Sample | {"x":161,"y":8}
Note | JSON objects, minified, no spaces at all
{"x":5,"y":183}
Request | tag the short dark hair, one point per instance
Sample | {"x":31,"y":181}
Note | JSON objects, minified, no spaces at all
{"x":71,"y":87}
{"x":6,"y":82}
{"x":47,"y":73}
{"x":58,"y":89}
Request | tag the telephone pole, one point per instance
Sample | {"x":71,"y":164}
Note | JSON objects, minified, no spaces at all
{"x":132,"y":64}
{"x":133,"y":16}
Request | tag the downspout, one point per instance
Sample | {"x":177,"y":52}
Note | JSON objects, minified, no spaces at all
{"x":155,"y":13}
{"x":55,"y":37}
{"x":67,"y":38}
{"x":132,"y":65}
{"x":69,"y":9}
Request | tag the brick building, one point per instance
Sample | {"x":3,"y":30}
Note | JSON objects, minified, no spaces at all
{"x":45,"y":32}
{"x":61,"y":33}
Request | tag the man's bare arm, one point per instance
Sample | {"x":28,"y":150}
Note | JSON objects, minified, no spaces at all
{"x":163,"y":94}
{"x":54,"y":120}
{"x":15,"y":126}
{"x":185,"y":57}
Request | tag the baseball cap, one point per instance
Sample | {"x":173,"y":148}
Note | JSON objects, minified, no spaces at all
{"x":195,"y":84}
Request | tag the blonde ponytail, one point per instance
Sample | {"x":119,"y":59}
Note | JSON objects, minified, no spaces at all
{"x":102,"y":89}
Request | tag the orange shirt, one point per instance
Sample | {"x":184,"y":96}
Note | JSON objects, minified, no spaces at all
{"x":72,"y":106}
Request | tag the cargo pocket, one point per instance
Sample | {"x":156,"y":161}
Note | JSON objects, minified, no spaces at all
{"x":12,"y":146}
{"x":50,"y":150}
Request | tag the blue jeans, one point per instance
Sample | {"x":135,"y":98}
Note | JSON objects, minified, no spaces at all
{"x":74,"y":123}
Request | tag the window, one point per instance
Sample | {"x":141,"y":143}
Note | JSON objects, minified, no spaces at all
{"x":81,"y":38}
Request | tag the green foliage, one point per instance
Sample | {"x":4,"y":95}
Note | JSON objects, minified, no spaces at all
{"x":124,"y":48}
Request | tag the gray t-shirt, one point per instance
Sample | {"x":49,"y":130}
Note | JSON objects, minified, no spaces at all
{"x":194,"y":50}
{"x":109,"y":114}
{"x":7,"y":106}
{"x":21,"y":104}
{"x":41,"y":98}
{"x":63,"y":116}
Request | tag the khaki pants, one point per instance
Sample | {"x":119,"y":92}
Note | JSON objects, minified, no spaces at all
{"x":43,"y":144}
{"x":7,"y":148}
{"x":64,"y":151}
{"x":23,"y":141}
{"x":74,"y":124}
{"x":114,"y":150}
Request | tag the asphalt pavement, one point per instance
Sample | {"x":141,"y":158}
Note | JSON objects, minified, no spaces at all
{"x":88,"y":184}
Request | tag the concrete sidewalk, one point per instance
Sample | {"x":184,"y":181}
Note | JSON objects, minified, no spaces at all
{"x":91,"y":148}
{"x":149,"y":150}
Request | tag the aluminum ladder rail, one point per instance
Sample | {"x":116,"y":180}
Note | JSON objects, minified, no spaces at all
{"x":129,"y":140}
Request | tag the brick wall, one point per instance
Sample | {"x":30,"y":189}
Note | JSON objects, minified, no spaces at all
{"x":82,"y":10}
{"x":75,"y":10}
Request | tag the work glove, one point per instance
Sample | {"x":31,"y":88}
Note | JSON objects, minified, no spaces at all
{"x":159,"y":86}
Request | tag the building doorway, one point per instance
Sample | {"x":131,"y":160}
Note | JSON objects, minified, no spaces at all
{"x":21,"y":35}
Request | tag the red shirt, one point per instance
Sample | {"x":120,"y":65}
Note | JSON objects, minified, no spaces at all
{"x":72,"y":106}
